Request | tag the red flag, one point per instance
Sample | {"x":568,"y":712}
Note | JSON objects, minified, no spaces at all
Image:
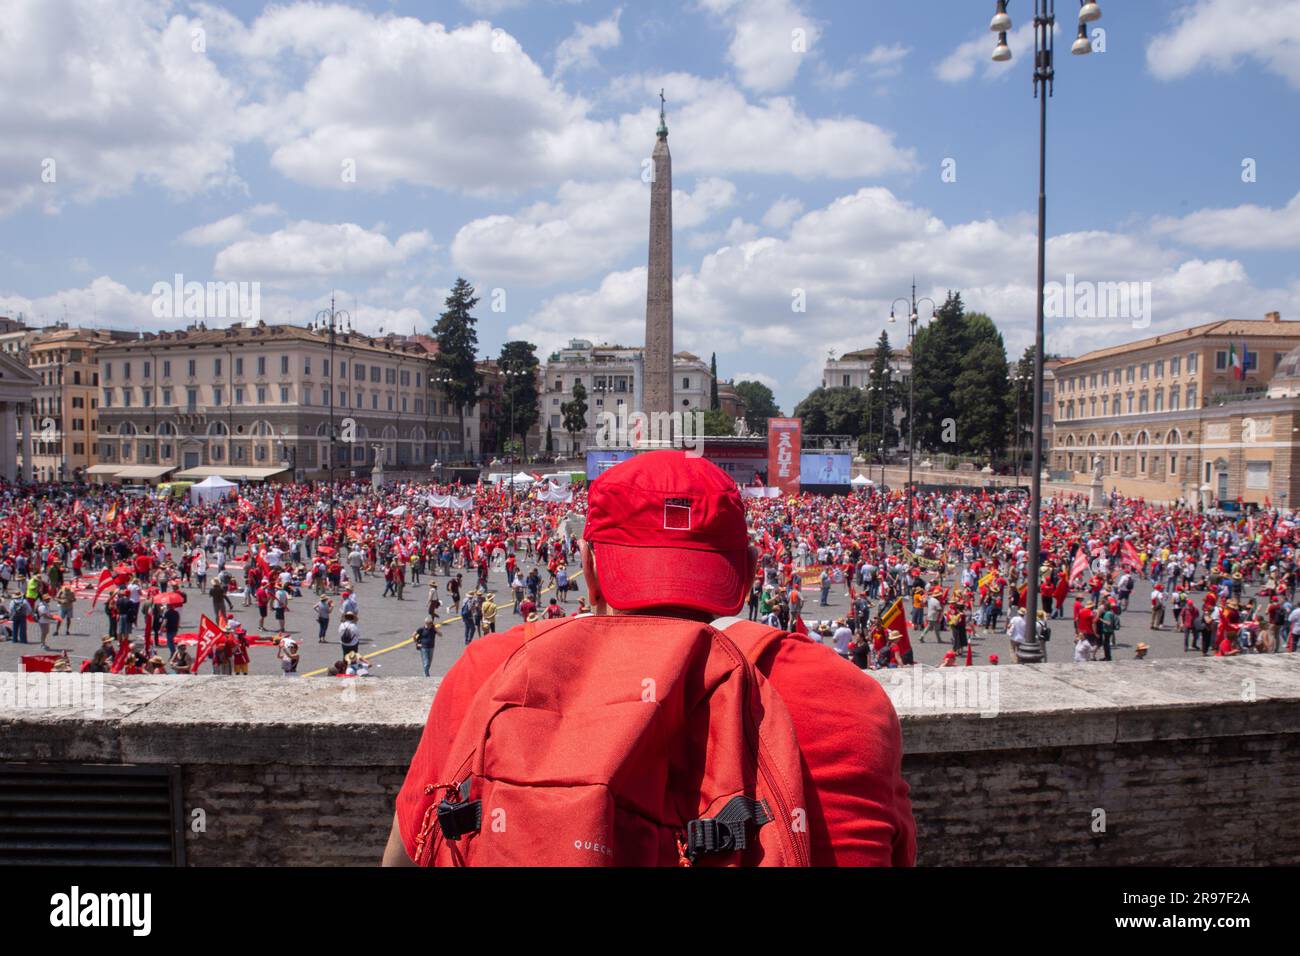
{"x":278,"y":508}
{"x":105,"y":579}
{"x":119,"y":659}
{"x":1080,"y":566}
{"x":799,"y":626}
{"x":1129,"y":554}
{"x":209,"y":634}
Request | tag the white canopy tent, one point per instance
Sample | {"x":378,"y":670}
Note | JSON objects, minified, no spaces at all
{"x":861,"y":481}
{"x":211,"y":489}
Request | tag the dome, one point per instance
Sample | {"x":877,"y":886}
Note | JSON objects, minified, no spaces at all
{"x":1286,"y":380}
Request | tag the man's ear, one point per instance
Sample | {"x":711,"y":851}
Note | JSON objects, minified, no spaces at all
{"x":589,"y":571}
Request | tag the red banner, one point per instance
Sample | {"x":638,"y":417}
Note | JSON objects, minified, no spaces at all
{"x":784,"y":436}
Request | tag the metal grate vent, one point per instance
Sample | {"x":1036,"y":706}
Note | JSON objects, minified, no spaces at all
{"x":90,"y":815}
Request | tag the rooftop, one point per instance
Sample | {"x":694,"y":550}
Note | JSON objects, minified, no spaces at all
{"x":1271,"y":326}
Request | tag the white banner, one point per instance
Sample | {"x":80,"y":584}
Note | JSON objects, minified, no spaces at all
{"x":552,"y":493}
{"x":452,"y":502}
{"x":749,"y":491}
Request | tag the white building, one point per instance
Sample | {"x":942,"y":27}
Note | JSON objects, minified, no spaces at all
{"x":613,"y":376}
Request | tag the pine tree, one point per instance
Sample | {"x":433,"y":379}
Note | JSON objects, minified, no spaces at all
{"x":937,"y":351}
{"x":456,"y":362}
{"x":882,"y":398}
{"x":575,"y":415}
{"x":518,"y":364}
{"x":550,"y":440}
{"x":713,"y":389}
{"x":979,"y":395}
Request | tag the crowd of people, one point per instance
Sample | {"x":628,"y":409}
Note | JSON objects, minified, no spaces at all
{"x":136,"y":562}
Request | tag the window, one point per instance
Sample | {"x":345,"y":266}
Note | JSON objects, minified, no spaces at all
{"x":76,"y":376}
{"x":1105,"y":405}
{"x":1130,"y":403}
{"x":361,"y":400}
{"x":419,"y":406}
{"x":108,"y":371}
{"x":306,"y":365}
{"x":167,"y":396}
{"x":358,"y":371}
{"x":1175,"y":365}
{"x":167,"y":368}
{"x":403,"y":403}
{"x":126,"y":371}
{"x":1159,"y":405}
{"x":324,"y":367}
{"x":1191,"y":396}
{"x":78,"y":402}
{"x":390,"y":376}
{"x":1128,"y":374}
{"x":374,"y":401}
{"x":1220,"y":361}
{"x":343,"y":369}
{"x":191,"y":398}
{"x":108,"y":398}
{"x":284,"y":395}
{"x":261,"y":394}
{"x":374,"y":373}
{"x":284,"y":365}
{"x":390,"y":401}
{"x":1092,"y":380}
{"x":218,"y":396}
{"x":239,"y":365}
{"x":1105,"y":378}
{"x":306,"y":394}
{"x":1160,"y":369}
{"x":239,"y":395}
{"x":261,"y":365}
{"x":192,"y":367}
{"x":146,"y":397}
{"x":1173,"y":399}
{"x":147,"y":370}
{"x":216,"y":368}
{"x":846,"y":381}
{"x":126,"y":398}
{"x":406,"y":377}
{"x":1146,"y":368}
{"x":343,"y":397}
{"x":686,"y":382}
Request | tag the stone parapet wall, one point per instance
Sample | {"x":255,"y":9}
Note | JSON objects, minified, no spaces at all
{"x":1181,"y":762}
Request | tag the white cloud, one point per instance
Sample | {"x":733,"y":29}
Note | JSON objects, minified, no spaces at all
{"x":578,"y":50}
{"x":1219,"y":34}
{"x":590,"y":227}
{"x":963,"y":62}
{"x":1238,"y":227}
{"x":886,"y":61}
{"x":759,"y":377}
{"x":770,"y":39}
{"x":112,"y":92}
{"x":850,"y":258}
{"x":228,"y":229}
{"x":782,"y":212}
{"x":319,"y":250}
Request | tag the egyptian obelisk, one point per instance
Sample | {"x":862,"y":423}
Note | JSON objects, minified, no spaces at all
{"x":658,"y":390}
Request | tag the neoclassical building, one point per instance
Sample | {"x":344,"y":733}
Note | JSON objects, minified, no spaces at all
{"x":1208,"y":414}
{"x":256,"y":402}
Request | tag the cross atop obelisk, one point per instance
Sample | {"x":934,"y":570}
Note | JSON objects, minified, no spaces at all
{"x":658,"y":389}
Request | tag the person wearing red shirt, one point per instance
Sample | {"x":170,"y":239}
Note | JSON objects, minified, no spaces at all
{"x":849,"y":737}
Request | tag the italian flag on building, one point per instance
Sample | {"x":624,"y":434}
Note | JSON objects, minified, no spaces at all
{"x":1237,"y":360}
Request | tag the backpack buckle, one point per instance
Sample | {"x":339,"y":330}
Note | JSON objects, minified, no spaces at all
{"x":729,"y":830}
{"x":457,"y":816}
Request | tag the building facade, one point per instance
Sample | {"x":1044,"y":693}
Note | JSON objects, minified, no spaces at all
{"x":1204,"y":415}
{"x":251,"y":402}
{"x":613,"y":377}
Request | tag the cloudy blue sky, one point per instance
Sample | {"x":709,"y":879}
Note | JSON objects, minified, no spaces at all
{"x":503,"y":140}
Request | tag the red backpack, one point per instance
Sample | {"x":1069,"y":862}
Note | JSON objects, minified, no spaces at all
{"x":623,"y":741}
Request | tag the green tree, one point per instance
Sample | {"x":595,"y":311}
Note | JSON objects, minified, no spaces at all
{"x":883,"y":397}
{"x":980,"y":396}
{"x":574,"y":413}
{"x":834,"y":411}
{"x":518,"y":364}
{"x":1022,"y":403}
{"x":455,"y":365}
{"x":760,"y":404}
{"x":713,"y":387}
{"x":937,"y":350}
{"x":718,"y":422}
{"x":550,"y":441}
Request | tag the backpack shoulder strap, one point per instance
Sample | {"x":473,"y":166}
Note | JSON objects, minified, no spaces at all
{"x":752,"y":638}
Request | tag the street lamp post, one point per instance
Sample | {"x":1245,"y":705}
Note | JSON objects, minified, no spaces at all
{"x":1018,"y":380}
{"x":444,"y":380}
{"x":912,"y":318}
{"x":510,"y":374}
{"x":332,"y":321}
{"x":1031,"y":651}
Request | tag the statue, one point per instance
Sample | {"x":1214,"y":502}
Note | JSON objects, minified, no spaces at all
{"x":1097,"y":469}
{"x":1097,"y":501}
{"x":742,"y":427}
{"x":377,"y":473}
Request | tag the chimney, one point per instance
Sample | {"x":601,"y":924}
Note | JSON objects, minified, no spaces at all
{"x":1272,"y":316}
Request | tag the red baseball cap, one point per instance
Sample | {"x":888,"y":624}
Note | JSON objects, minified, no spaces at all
{"x":669,"y":531}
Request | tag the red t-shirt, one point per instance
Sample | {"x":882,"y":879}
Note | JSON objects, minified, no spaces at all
{"x":859,"y":813}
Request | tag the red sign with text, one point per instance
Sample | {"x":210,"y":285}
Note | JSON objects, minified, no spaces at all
{"x":783,"y":440}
